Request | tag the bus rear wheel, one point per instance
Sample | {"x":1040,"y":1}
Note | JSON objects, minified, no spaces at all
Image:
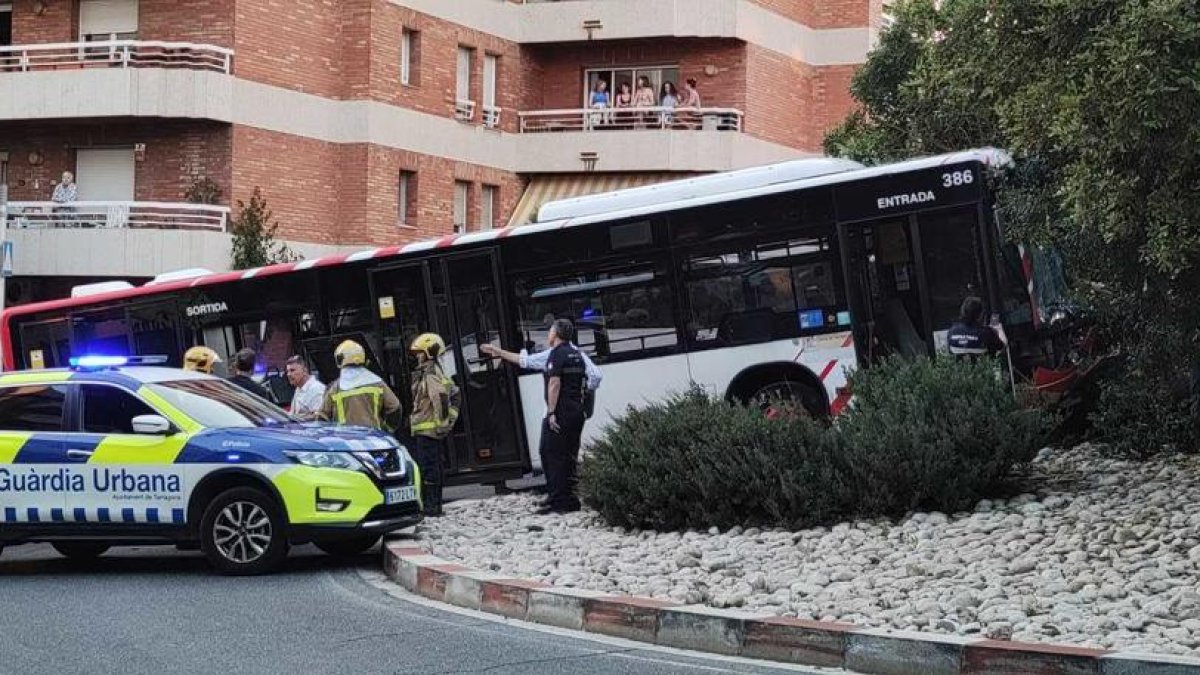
{"x":779,"y":397}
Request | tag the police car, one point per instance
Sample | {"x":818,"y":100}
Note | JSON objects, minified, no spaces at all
{"x":116,"y":452}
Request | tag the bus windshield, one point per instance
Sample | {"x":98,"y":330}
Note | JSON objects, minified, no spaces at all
{"x":219,"y":404}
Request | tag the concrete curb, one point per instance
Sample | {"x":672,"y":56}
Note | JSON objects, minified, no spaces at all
{"x":756,"y":635}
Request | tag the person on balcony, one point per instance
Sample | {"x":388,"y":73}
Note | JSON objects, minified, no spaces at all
{"x":623,"y":99}
{"x":599,"y":101}
{"x":64,"y":194}
{"x":669,"y":101}
{"x":691,"y":101}
{"x":643,"y":97}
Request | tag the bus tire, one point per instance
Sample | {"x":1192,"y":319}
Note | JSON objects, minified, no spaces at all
{"x":787,"y":390}
{"x":759,"y":386}
{"x":244,"y":532}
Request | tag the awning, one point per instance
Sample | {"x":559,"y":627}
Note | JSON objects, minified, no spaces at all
{"x":549,"y":187}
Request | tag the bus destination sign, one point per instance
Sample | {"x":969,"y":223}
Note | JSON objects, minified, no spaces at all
{"x":903,"y":193}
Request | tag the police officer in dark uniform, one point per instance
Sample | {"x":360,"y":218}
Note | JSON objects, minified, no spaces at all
{"x":969,"y":338}
{"x":561,"y":430}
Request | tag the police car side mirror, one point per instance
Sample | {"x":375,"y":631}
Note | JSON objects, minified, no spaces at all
{"x":151,"y":425}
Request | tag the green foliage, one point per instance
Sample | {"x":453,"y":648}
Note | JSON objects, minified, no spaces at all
{"x":254,"y":229}
{"x":1097,"y":101}
{"x":921,"y":434}
{"x":203,"y":191}
{"x":933,"y":433}
{"x":696,"y":461}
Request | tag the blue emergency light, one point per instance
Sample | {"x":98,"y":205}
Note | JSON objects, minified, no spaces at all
{"x":100,"y":362}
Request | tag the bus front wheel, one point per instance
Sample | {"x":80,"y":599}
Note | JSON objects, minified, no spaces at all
{"x":774,"y":397}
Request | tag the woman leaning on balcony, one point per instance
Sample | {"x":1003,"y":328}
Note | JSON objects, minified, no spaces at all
{"x":643,"y":97}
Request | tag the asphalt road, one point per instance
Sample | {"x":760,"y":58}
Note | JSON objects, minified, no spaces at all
{"x":157,"y":610}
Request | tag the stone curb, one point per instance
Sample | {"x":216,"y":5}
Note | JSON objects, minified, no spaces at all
{"x":756,"y":635}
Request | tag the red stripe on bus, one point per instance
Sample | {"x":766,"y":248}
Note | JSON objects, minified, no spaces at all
{"x":828,"y":369}
{"x":849,"y":341}
{"x":330,"y":260}
{"x":839,"y":404}
{"x":445,"y":241}
{"x":388,"y":251}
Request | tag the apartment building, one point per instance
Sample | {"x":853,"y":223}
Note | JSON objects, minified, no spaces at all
{"x":374,"y":122}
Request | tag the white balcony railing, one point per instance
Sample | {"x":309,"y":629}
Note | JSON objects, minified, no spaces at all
{"x":590,"y":119}
{"x":115,"y":54}
{"x":491,"y":116}
{"x":464,"y":111}
{"x":118,"y":215}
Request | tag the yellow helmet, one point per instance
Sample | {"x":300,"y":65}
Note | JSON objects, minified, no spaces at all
{"x":200,"y":359}
{"x":429,"y":344}
{"x":349,"y":353}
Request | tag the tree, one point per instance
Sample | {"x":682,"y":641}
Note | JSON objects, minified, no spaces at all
{"x":1097,"y":100}
{"x":254,"y":243}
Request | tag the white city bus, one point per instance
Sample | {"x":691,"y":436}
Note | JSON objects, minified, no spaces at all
{"x":766,"y":282}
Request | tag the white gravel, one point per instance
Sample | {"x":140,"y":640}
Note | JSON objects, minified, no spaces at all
{"x":1103,"y":553}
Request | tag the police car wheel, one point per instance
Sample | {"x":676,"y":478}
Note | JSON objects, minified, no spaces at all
{"x":243,"y":532}
{"x":347,"y":547}
{"x":79,"y":550}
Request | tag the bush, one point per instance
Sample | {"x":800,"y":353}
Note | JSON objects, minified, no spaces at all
{"x":1139,"y":417}
{"x":936,"y":434}
{"x":697,"y":461}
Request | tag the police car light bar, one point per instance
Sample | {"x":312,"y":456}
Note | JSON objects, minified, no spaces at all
{"x":97,"y":361}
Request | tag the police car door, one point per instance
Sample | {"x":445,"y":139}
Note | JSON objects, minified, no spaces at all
{"x":31,"y":449}
{"x":131,"y":478}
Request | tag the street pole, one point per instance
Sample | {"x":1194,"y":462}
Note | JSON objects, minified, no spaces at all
{"x":3,"y":228}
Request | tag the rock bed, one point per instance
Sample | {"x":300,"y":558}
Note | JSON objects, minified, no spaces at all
{"x":1103,"y":553}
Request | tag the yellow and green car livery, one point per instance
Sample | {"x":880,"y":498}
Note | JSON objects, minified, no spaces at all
{"x":108,"y":454}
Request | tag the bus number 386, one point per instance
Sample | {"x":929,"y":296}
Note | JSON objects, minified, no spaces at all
{"x":957,"y":178}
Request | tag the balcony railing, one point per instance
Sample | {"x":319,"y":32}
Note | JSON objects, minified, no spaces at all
{"x":118,"y":215}
{"x":491,"y":116}
{"x":115,"y":54}
{"x":464,"y":111}
{"x":607,"y":119}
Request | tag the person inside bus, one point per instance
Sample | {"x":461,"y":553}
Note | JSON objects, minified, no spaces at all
{"x":435,"y":404}
{"x":309,"y":392}
{"x":968,"y":337}
{"x":201,"y":359}
{"x":570,"y":375}
{"x":358,"y":397}
{"x":243,"y":374}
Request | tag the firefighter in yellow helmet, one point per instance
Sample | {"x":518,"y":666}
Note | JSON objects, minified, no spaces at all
{"x":200,"y":359}
{"x":435,"y":401}
{"x":358,"y":397}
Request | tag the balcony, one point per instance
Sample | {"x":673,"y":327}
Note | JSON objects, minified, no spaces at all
{"x":116,"y":78}
{"x":117,"y":215}
{"x":612,"y":119}
{"x":115,"y":54}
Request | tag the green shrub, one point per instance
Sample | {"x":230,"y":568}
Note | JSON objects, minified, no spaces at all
{"x":1139,"y":417}
{"x":698,"y":461}
{"x":935,"y":434}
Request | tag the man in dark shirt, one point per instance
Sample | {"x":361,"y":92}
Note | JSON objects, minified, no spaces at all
{"x":243,"y":369}
{"x":969,"y":338}
{"x":565,"y":376}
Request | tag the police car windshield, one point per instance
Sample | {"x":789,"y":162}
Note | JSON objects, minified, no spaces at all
{"x":219,"y":404}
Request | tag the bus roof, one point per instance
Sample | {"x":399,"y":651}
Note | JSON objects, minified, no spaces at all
{"x":632,"y":202}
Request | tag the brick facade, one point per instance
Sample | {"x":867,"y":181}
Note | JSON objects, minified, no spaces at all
{"x":350,"y":50}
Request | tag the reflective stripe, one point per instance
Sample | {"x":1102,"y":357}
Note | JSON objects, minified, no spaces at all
{"x":10,"y":445}
{"x":376,"y":394}
{"x":137,"y":449}
{"x":426,"y":426}
{"x":35,"y":377}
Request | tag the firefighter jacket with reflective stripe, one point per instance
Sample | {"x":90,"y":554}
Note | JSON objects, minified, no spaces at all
{"x":435,"y":401}
{"x":365,"y":401}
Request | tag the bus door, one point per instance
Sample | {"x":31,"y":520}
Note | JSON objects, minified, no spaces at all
{"x":907,"y":276}
{"x":459,"y":298}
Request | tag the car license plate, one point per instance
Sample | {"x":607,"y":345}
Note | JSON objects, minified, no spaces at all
{"x":399,"y":495}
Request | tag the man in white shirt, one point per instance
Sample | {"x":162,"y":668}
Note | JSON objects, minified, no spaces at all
{"x":310,"y":393}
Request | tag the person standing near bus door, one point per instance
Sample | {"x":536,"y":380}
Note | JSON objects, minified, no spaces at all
{"x":309,"y":394}
{"x":968,"y":338}
{"x":358,"y":397}
{"x":435,"y":402}
{"x":243,"y":374}
{"x":567,"y":376}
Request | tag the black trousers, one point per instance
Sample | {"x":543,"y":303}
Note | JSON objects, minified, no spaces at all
{"x":428,"y":453}
{"x":560,"y":459}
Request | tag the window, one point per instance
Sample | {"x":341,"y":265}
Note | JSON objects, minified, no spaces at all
{"x":109,"y":410}
{"x":491,"y":113}
{"x":756,"y":293}
{"x":622,"y":313}
{"x":464,"y":107}
{"x":101,"y":20}
{"x":408,"y":42}
{"x":406,"y":198}
{"x":487,"y":207}
{"x":219,"y":404}
{"x":462,"y":200}
{"x":32,"y":408}
{"x":615,"y":77}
